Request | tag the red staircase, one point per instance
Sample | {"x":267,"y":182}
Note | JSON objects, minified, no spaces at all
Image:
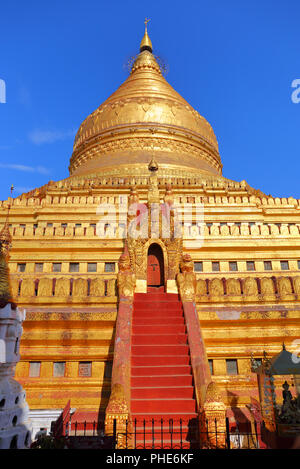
{"x":161,"y":375}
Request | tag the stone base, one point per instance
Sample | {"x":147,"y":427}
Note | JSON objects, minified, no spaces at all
{"x":172,"y":286}
{"x":141,"y":286}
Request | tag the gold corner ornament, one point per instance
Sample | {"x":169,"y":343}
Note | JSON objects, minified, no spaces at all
{"x":187,"y":283}
{"x":126,"y":278}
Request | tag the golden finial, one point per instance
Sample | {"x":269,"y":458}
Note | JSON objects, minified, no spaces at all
{"x":153,"y":191}
{"x":146,"y":43}
{"x":153,"y":166}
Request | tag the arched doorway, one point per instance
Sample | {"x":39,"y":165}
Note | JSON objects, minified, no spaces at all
{"x":155,"y":269}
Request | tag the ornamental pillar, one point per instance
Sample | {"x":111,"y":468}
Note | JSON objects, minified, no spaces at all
{"x":119,"y":402}
{"x":213,"y":419}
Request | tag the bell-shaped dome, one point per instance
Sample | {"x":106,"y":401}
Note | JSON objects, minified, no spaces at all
{"x":144,"y":118}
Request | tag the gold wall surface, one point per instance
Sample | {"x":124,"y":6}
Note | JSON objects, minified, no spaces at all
{"x":61,"y":261}
{"x":71,"y":315}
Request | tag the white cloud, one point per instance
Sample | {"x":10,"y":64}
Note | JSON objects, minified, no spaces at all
{"x":39,"y":137}
{"x":26,"y":169}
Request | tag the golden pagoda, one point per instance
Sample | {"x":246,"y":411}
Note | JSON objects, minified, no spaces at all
{"x":237,"y":258}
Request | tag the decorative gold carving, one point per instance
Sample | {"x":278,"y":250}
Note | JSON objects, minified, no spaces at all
{"x":201,"y":288}
{"x":97,"y":287}
{"x":157,"y":223}
{"x":187,"y":279}
{"x":80,"y":287}
{"x":216,"y":288}
{"x":296,"y":283}
{"x":117,"y":402}
{"x":111,"y":287}
{"x":250,"y":287}
{"x":14,"y":283}
{"x":136,"y":143}
{"x":45,"y":287}
{"x":153,"y":191}
{"x":62,"y":287}
{"x":288,"y":288}
{"x":5,"y":292}
{"x":284,"y":288}
{"x":212,"y":417}
{"x":27,"y":287}
{"x":233,"y":287}
{"x":267,"y":287}
{"x":118,"y":410}
{"x":126,"y":278}
{"x":212,"y":393}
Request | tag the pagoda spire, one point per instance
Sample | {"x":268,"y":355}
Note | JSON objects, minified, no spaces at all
{"x":146,"y":43}
{"x":5,"y":236}
{"x":5,"y":292}
{"x":5,"y":245}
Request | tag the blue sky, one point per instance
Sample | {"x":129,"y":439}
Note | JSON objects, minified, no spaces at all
{"x":233,"y":61}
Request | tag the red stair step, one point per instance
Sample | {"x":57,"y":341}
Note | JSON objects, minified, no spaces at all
{"x":179,"y":392}
{"x":157,"y":304}
{"x":160,"y":370}
{"x":152,"y":321}
{"x":157,"y":329}
{"x":156,"y":320}
{"x":179,"y":349}
{"x":160,"y":360}
{"x":185,"y":417}
{"x":161,"y":375}
{"x":156,"y":314}
{"x":161,"y":339}
{"x":160,"y":380}
{"x":162,"y":405}
{"x":157,"y":297}
{"x":158,"y":309}
{"x":162,"y":304}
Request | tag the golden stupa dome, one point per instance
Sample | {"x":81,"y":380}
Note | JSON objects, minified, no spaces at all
{"x":144,"y":118}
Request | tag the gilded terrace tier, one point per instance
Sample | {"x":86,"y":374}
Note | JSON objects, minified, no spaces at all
{"x":64,"y":273}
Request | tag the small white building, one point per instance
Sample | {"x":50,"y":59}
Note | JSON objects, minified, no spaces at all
{"x":15,"y":425}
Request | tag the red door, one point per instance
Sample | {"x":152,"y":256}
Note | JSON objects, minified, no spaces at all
{"x":155,"y":275}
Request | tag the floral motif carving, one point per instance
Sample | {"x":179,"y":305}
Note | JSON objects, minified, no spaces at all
{"x":126,"y":278}
{"x":186,"y":280}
